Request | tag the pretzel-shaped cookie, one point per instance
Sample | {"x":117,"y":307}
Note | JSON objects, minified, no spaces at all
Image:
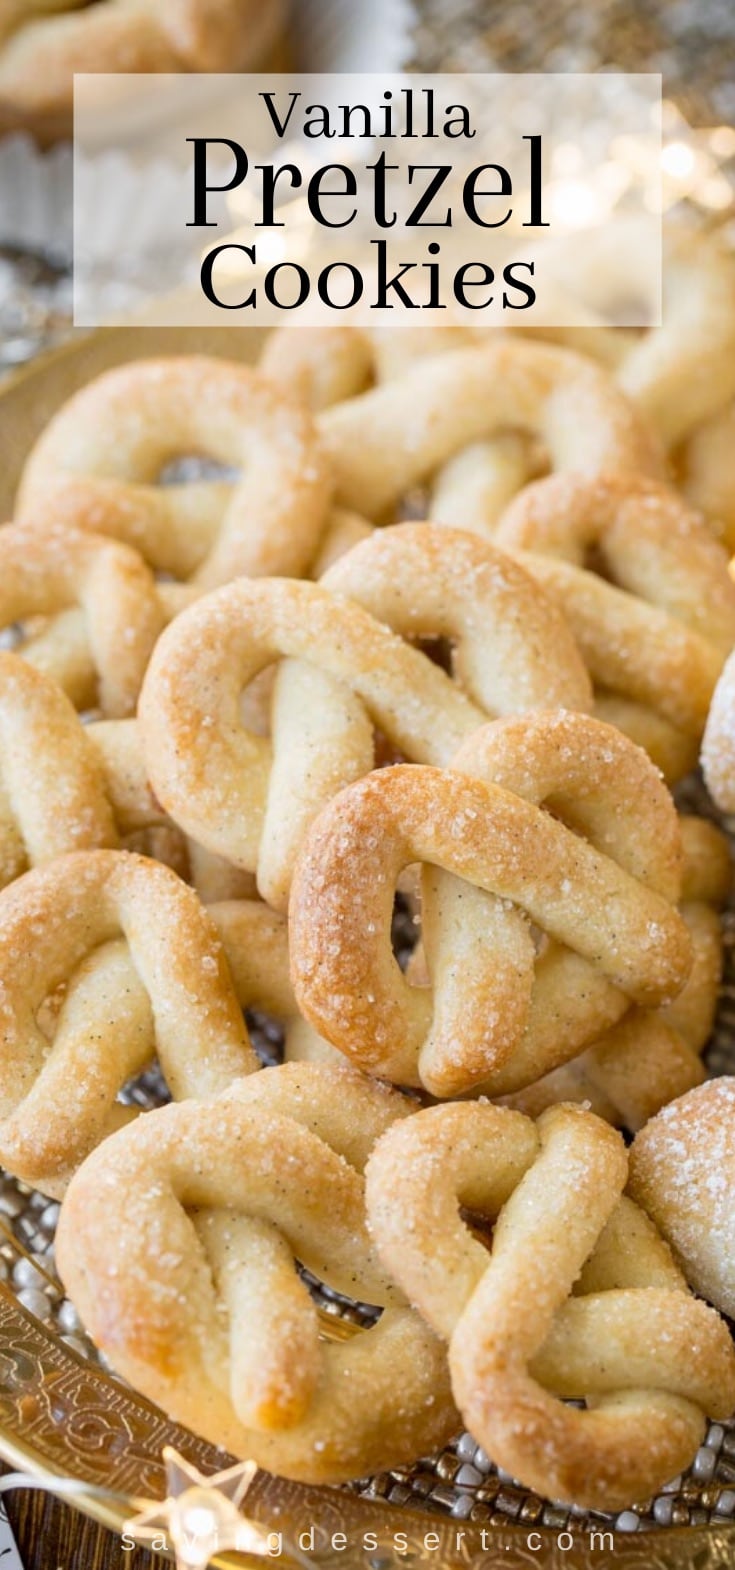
{"x":36,"y":1139}
{"x":217,"y":1328}
{"x":398,"y":435}
{"x":103,"y":607}
{"x":97,"y":462}
{"x":648,"y":1358}
{"x":497,"y":1016}
{"x":60,"y":927}
{"x":718,"y":745}
{"x":682,"y":1171}
{"x":651,"y":1056}
{"x":44,"y":42}
{"x":252,"y":799}
{"x":658,"y":645}
{"x":705,"y":470}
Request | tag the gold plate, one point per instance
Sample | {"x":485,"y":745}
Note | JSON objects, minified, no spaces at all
{"x":62,"y":1417}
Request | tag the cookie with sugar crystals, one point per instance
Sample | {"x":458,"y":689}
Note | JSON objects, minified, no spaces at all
{"x":683,"y":1173}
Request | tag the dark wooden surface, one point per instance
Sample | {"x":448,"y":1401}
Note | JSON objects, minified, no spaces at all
{"x":52,"y":1536}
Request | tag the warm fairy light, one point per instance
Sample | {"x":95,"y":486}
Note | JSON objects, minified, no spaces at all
{"x":575,"y":204}
{"x":678,"y":160}
{"x":272,"y":247}
{"x":195,"y":1533}
{"x":198,"y":1521}
{"x":691,"y":162}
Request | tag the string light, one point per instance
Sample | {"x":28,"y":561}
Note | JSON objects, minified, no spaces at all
{"x":678,"y":160}
{"x":201,"y":1517}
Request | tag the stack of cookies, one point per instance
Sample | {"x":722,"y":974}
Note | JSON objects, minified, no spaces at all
{"x":247,"y":718}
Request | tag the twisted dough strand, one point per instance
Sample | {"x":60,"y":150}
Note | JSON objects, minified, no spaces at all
{"x":718,"y":744}
{"x":705,"y":469}
{"x":68,"y":786}
{"x":52,"y":787}
{"x":397,"y":435}
{"x":649,"y":543}
{"x":509,"y":651}
{"x":651,"y":1056}
{"x":681,"y":373}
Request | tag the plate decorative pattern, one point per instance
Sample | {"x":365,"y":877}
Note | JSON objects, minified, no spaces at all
{"x":48,"y":1395}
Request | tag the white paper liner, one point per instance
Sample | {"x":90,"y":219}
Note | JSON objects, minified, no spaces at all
{"x":36,"y":198}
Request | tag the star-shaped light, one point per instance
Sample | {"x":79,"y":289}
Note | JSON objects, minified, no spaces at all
{"x":200,"y":1516}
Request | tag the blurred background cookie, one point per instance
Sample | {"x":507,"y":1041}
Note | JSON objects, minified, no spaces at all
{"x":44,"y":42}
